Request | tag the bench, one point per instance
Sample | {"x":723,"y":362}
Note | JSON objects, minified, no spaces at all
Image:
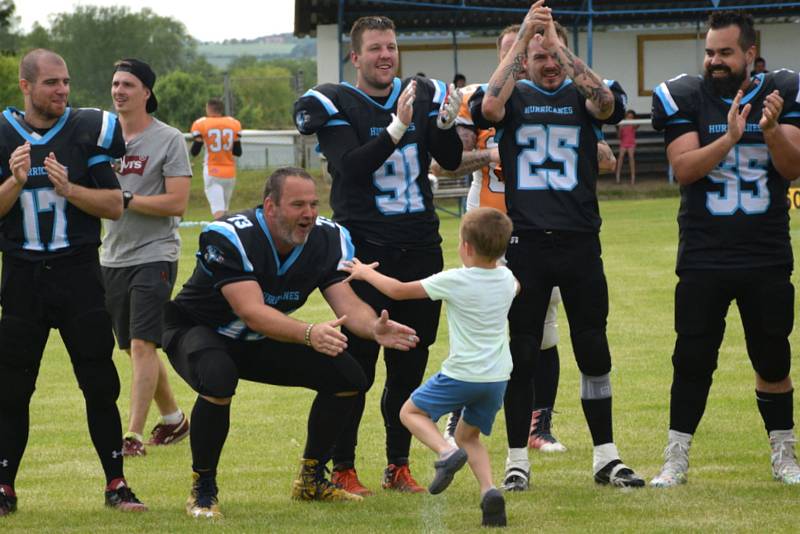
{"x":447,"y":187}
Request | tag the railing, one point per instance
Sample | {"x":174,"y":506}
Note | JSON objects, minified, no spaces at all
{"x":276,"y":148}
{"x":651,"y":158}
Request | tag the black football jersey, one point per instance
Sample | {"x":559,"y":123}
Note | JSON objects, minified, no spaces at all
{"x":239,"y":248}
{"x":737,"y":216}
{"x":42,"y":224}
{"x":393,"y":205}
{"x":548,"y":150}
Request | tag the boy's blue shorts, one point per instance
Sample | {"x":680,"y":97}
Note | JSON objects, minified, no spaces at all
{"x":481,"y":401}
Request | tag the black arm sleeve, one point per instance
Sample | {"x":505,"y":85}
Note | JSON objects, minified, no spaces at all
{"x":103,"y":176}
{"x":196,"y":147}
{"x":237,"y":148}
{"x":344,"y":151}
{"x":446,"y":147}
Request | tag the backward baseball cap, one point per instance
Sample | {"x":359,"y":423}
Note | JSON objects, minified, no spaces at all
{"x":141,"y":70}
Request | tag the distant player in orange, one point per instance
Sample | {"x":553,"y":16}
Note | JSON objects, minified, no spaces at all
{"x":221,"y":136}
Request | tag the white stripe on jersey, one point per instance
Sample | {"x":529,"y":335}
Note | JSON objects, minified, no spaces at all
{"x":103,"y":129}
{"x":326,"y":102}
{"x":668,"y":96}
{"x":797,"y":98}
{"x":441,"y":91}
{"x":346,"y":245}
{"x":227,"y":230}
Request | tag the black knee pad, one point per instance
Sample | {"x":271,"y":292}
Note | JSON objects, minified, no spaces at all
{"x":203,"y":360}
{"x":591,"y":351}
{"x":98,"y":379}
{"x":365,"y":353}
{"x":216,"y":377}
{"x":768,"y":321}
{"x":700,"y":325}
{"x":17,"y":384}
{"x":89,"y":337}
{"x":90,"y":344}
{"x":695,"y":357}
{"x":771,"y":358}
{"x":352,"y":372}
{"x":21,"y":346}
{"x":405,"y":370}
{"x":523,"y":351}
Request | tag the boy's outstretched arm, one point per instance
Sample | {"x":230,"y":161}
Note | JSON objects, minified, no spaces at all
{"x":391,"y":287}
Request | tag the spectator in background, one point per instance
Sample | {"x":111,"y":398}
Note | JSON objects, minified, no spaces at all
{"x":627,"y":145}
{"x":759,"y":65}
{"x":459,"y":80}
{"x":141,"y":249}
{"x":221,"y":135}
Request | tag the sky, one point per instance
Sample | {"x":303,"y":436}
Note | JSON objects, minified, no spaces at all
{"x":205,"y":20}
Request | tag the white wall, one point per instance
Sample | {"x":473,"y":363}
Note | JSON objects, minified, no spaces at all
{"x":327,"y":53}
{"x":614,"y":54}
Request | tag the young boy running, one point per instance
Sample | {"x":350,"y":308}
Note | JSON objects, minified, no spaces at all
{"x":475,"y":373}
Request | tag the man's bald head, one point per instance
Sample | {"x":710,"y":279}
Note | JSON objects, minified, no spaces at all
{"x":29,"y":66}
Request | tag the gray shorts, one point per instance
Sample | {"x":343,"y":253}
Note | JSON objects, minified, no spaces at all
{"x":135,"y":297}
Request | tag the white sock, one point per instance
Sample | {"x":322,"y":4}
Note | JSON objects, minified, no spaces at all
{"x":518,"y":458}
{"x":603,"y":455}
{"x":680,"y":437}
{"x":448,"y":453}
{"x":781,"y":435}
{"x":492,"y":487}
{"x":172,"y":418}
{"x":137,"y":437}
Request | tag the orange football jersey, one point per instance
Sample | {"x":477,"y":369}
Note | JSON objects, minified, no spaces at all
{"x":492,"y":186}
{"x":218,"y":134}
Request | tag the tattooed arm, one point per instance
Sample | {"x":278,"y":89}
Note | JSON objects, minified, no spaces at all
{"x":599,"y":98}
{"x":606,"y":162}
{"x":471,"y":159}
{"x":501,"y":84}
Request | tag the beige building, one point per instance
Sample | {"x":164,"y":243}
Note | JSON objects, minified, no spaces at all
{"x":637,"y":50}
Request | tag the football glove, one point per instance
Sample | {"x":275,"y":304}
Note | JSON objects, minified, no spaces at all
{"x":449,"y":109}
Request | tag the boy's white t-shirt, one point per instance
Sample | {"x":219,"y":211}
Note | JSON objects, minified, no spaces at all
{"x":478,"y":301}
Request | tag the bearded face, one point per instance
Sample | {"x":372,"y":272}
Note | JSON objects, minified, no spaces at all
{"x":724,"y":80}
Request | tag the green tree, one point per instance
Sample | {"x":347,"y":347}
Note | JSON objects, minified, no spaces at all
{"x":9,"y":33}
{"x":264,"y":96}
{"x":182,"y":97}
{"x":10,"y":95}
{"x":308,"y":67}
{"x":38,"y":37}
{"x":92,"y":38}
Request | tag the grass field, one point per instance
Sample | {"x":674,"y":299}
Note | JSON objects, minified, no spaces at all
{"x":730,"y":488}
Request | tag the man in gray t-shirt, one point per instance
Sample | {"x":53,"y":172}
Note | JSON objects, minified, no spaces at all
{"x":141,"y":249}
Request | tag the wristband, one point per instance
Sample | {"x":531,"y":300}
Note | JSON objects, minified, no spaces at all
{"x":307,"y":336}
{"x":396,"y":129}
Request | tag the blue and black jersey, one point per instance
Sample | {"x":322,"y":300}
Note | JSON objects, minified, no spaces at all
{"x":42,"y":224}
{"x":548,"y":150}
{"x":380,"y":190}
{"x":737,"y":216}
{"x":240,"y":247}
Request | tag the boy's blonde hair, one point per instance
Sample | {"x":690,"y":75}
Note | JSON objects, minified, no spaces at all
{"x":488,"y":230}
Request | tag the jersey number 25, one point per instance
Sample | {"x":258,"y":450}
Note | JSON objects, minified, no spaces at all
{"x":547,"y":142}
